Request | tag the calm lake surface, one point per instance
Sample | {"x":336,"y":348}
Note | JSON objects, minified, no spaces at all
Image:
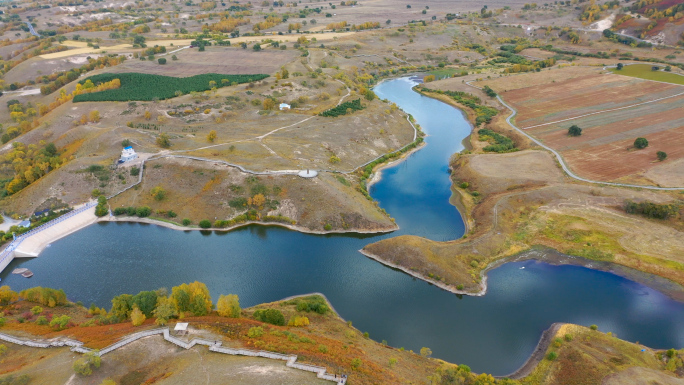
{"x":494,"y":334}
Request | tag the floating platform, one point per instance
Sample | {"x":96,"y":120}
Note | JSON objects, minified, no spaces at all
{"x":308,"y":173}
{"x":26,"y":273}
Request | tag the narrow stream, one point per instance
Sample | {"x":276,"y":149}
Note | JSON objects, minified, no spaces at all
{"x":494,"y":334}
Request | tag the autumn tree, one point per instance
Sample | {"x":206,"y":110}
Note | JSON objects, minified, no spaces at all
{"x":228,"y":306}
{"x":428,"y":78}
{"x":7,"y":295}
{"x":163,"y":140}
{"x":425,"y":352}
{"x":165,"y":310}
{"x":269,"y":104}
{"x":122,"y":306}
{"x":148,"y":115}
{"x":212,"y":136}
{"x":193,"y":297}
{"x":257,"y":200}
{"x":84,"y":365}
{"x":137,"y":316}
{"x":94,"y":116}
{"x":158,"y":193}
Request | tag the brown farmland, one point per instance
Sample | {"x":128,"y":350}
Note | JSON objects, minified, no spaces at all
{"x":605,"y":150}
{"x":582,"y":95}
{"x":215,"y":60}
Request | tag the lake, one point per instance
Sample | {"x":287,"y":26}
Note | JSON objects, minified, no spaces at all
{"x":495,"y":333}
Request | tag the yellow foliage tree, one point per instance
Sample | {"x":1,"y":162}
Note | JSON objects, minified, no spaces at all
{"x":298,"y":321}
{"x":137,"y":316}
{"x":94,"y":116}
{"x":212,"y":136}
{"x":84,"y":119}
{"x":269,"y":104}
{"x":7,"y":295}
{"x":148,"y":115}
{"x":257,"y":200}
{"x":228,"y":306}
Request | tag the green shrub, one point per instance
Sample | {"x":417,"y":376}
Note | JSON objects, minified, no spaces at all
{"x":314,"y":303}
{"x":641,"y":143}
{"x":186,"y":222}
{"x":41,"y":320}
{"x":650,"y":209}
{"x":255,"y":332}
{"x":552,"y":356}
{"x":84,"y":366}
{"x":271,"y":316}
{"x":593,"y":327}
{"x":354,"y":105}
{"x":143,"y":212}
{"x":501,"y":143}
{"x":205,"y":224}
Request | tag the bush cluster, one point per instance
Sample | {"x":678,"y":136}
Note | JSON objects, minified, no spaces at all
{"x":501,"y":143}
{"x":354,"y":105}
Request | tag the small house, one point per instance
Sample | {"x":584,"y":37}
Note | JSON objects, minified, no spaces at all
{"x":128,"y":154}
{"x":25,"y":224}
{"x":284,"y":106}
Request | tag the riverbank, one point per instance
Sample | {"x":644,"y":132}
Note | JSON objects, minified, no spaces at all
{"x":524,"y":202}
{"x":239,"y":225}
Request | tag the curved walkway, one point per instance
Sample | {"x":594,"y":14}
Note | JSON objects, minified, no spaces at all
{"x":564,"y":166}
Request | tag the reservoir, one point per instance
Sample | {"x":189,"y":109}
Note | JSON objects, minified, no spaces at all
{"x":495,"y":333}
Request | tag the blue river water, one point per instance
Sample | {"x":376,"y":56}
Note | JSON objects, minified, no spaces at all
{"x":495,"y":333}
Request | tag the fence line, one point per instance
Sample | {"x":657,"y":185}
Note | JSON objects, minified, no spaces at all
{"x":214,"y":346}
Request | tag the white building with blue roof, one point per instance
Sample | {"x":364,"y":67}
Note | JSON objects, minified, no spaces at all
{"x":128,"y":154}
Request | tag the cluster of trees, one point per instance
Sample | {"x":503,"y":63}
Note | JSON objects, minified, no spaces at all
{"x":193,"y":298}
{"x":343,"y":109}
{"x":535,"y":66}
{"x":624,"y":39}
{"x":499,"y":143}
{"x":142,"y":211}
{"x":484,"y":114}
{"x":651,"y":210}
{"x":228,"y":24}
{"x":137,"y":86}
{"x":44,"y":296}
{"x":29,"y":163}
{"x":269,"y":22}
{"x":55,"y":81}
{"x":102,"y":208}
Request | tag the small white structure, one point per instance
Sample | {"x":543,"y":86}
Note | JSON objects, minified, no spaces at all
{"x":25,"y":224}
{"x":284,"y":106}
{"x":128,"y":154}
{"x":307,"y":173}
{"x":181,"y":328}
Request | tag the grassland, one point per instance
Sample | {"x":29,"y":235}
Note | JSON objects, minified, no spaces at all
{"x":645,"y":71}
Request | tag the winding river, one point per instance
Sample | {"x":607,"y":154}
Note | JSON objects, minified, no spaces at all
{"x":495,"y":333}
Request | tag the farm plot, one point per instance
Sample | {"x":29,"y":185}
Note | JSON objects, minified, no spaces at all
{"x":215,"y":60}
{"x":605,"y":149}
{"x":579,"y":96}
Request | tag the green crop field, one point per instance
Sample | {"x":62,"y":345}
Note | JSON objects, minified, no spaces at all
{"x":137,"y":86}
{"x":644,"y":71}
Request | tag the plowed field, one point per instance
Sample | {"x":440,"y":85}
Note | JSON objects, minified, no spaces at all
{"x":605,"y":149}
